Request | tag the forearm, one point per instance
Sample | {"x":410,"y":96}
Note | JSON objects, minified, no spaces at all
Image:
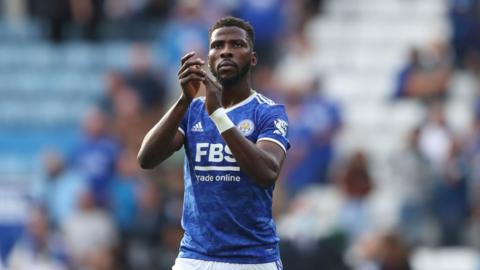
{"x":257,"y":163}
{"x":261,"y":161}
{"x":158,"y":143}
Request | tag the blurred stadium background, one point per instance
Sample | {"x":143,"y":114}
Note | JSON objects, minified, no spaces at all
{"x":384,"y":107}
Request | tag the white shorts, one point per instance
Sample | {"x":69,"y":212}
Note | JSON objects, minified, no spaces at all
{"x":192,"y":264}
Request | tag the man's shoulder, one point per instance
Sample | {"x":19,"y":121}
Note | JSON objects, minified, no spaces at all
{"x":264,"y":101}
{"x":267,"y":106}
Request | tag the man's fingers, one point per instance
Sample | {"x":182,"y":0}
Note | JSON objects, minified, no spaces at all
{"x":192,"y":70}
{"x":191,"y":78}
{"x":212,"y":80}
{"x":186,"y":56}
{"x":189,"y":63}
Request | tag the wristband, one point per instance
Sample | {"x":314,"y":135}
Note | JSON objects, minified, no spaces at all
{"x":221,"y":120}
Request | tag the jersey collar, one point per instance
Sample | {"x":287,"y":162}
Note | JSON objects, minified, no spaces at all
{"x":243,"y":102}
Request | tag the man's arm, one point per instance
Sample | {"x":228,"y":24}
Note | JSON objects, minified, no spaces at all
{"x":164,"y":138}
{"x":261,"y":161}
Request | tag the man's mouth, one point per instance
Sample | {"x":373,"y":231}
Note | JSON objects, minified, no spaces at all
{"x":226,"y":65}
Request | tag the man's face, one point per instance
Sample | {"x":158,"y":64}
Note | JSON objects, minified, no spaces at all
{"x":230,"y":55}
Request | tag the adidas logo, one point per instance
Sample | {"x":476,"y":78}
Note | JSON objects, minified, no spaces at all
{"x":197,"y":127}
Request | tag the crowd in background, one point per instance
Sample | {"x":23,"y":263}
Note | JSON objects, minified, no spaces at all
{"x":94,"y":208}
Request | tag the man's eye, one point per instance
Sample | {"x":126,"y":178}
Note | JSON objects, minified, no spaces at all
{"x":238,"y":45}
{"x":216,"y":46}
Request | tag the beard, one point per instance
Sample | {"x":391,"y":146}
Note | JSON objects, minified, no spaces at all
{"x":227,"y":81}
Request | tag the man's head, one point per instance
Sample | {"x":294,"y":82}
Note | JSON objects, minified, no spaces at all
{"x":231,"y":54}
{"x":234,"y":22}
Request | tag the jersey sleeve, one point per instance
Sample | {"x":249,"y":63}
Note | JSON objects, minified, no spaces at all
{"x":194,"y":107}
{"x":273,"y":126}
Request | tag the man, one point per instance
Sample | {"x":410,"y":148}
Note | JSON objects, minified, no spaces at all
{"x":235,"y":141}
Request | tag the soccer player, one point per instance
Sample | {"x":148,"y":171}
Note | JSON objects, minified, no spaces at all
{"x":235,"y":141}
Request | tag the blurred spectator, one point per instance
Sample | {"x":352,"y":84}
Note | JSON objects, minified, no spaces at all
{"x":309,"y":232}
{"x":355,"y":183}
{"x":426,"y":74}
{"x":63,"y":15}
{"x":381,"y":251}
{"x":472,"y":153}
{"x":186,"y":30}
{"x":405,"y":76}
{"x":145,"y":238}
{"x":172,"y":204}
{"x":449,"y":175}
{"x":59,"y":188}
{"x":87,"y":15}
{"x":89,"y":232}
{"x":415,"y":182}
{"x":172,"y":234}
{"x":39,"y":248}
{"x":127,"y":114}
{"x":57,"y":14}
{"x":96,"y":154}
{"x":315,"y":120}
{"x":451,"y":206}
{"x":394,"y":255}
{"x":435,"y":138}
{"x":135,"y":98}
{"x":173,"y":182}
{"x":326,"y":252}
{"x":297,"y":69}
{"x":465,"y":39}
{"x":124,"y":189}
{"x":114,"y":83}
{"x":143,"y":79}
{"x":124,"y":203}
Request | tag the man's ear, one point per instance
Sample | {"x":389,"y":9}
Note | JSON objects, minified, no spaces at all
{"x":254,"y":59}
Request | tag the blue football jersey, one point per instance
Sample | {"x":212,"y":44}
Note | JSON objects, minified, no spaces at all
{"x":227,"y":217}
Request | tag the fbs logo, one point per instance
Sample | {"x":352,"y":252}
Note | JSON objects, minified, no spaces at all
{"x":281,"y":127}
{"x":214,"y":152}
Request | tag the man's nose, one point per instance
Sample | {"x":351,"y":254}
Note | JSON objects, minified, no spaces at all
{"x":226,"y":52}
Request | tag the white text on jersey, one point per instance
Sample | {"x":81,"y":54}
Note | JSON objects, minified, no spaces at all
{"x":215,"y":152}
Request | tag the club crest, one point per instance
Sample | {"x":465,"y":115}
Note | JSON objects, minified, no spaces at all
{"x":246,"y":126}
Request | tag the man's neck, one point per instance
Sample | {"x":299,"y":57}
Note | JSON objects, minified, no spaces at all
{"x":233,"y":94}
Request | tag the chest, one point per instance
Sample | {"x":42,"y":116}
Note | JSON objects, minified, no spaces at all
{"x":205,"y":144}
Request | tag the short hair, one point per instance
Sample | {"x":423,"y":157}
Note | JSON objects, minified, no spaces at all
{"x":234,"y":21}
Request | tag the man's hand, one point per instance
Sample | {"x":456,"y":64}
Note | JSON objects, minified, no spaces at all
{"x":191,"y":75}
{"x":213,"y":94}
